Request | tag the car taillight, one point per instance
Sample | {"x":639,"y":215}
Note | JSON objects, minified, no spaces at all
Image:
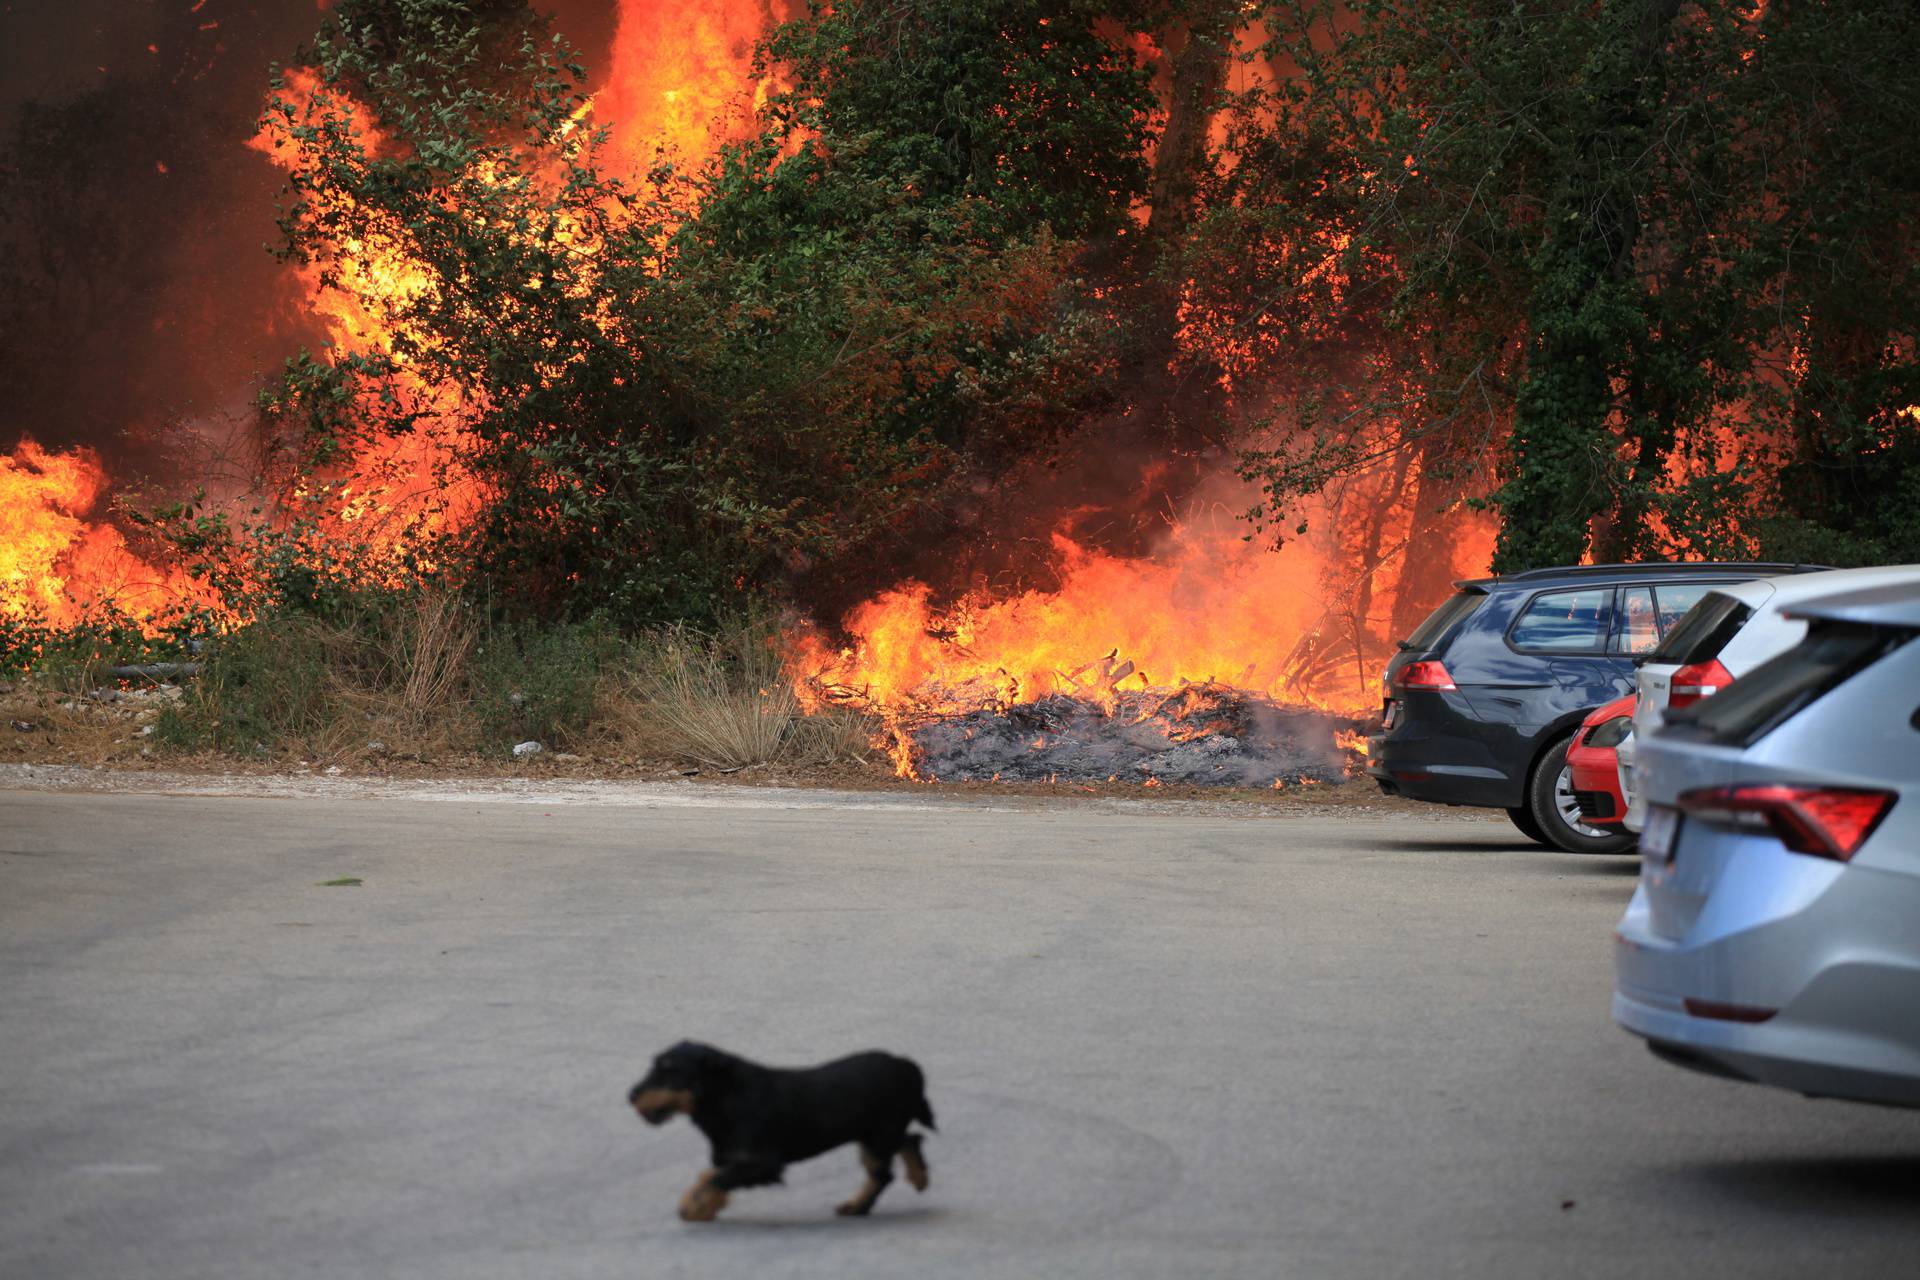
{"x":1827,"y":822}
{"x":1424,"y":675}
{"x":1696,"y":681}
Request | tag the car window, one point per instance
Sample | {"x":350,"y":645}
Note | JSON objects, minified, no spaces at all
{"x":1676,"y":598}
{"x":1441,"y":620}
{"x":1703,"y":632}
{"x":1565,"y":621}
{"x":1639,"y":628}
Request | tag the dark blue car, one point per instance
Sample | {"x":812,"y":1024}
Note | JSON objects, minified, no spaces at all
{"x":1484,"y":697}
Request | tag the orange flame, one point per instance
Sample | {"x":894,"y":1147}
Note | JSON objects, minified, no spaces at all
{"x":58,"y":564}
{"x":1208,"y":607}
{"x":1207,"y":612}
{"x":681,"y":81}
{"x":680,"y":86}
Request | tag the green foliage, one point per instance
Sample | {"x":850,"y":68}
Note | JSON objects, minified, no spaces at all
{"x":265,"y":686}
{"x":1595,"y":256}
{"x":1027,"y":114}
{"x":537,"y":681}
{"x":74,"y":657}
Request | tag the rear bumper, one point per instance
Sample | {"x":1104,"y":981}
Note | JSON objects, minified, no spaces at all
{"x":1439,"y":751}
{"x":1830,"y":951}
{"x":1421,"y":776}
{"x":1817,"y":1062}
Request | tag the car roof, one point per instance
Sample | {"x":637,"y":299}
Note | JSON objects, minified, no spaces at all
{"x":1609,"y":573}
{"x":1810,"y":586}
{"x":1884,"y":606}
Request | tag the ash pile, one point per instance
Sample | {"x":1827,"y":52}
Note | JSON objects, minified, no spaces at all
{"x":1198,"y":734}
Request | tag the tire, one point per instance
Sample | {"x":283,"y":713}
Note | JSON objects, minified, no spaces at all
{"x":1523,"y":819}
{"x":1550,"y":800}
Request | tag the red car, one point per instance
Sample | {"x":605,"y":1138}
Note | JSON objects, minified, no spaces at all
{"x":1596,"y":765}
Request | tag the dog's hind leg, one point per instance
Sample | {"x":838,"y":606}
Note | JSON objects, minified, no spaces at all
{"x":913,"y":1162}
{"x":879,"y":1169}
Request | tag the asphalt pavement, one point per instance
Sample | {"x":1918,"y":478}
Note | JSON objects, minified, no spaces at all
{"x":297,"y":1036}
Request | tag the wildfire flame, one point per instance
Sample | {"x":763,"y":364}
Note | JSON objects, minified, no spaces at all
{"x":1207,"y":606}
{"x":1207,"y":611}
{"x":57,"y":563}
{"x":681,"y":83}
{"x":680,"y":86}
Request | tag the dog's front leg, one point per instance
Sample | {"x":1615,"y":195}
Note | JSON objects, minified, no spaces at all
{"x":879,"y":1167}
{"x":704,"y":1199}
{"x":708,"y":1196}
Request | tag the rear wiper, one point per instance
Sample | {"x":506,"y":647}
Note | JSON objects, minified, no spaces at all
{"x":1404,"y":645}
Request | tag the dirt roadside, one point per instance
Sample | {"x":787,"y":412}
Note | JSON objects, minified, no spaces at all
{"x":86,"y":743}
{"x":1358,"y":800}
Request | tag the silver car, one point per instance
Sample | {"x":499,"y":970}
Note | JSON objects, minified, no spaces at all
{"x":1775,"y":932}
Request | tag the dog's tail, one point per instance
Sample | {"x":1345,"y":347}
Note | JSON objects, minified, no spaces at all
{"x":924,"y":1113}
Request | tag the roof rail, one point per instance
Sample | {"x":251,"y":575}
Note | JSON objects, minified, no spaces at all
{"x":1761,"y":568}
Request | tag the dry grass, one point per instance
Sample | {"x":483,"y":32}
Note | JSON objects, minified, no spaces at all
{"x":422,"y":678}
{"x":402,"y":683}
{"x":725,"y":699}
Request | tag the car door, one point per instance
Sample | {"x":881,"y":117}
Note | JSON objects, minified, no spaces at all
{"x":1564,"y":637}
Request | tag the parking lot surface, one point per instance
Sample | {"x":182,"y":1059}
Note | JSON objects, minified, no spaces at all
{"x":288,"y":1037}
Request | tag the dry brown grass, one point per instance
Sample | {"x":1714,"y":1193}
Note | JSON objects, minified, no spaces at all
{"x":724,"y":699}
{"x":422,"y":679}
{"x":402,"y":684}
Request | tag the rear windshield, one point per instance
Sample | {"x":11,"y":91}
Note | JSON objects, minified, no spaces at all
{"x":1703,"y":631}
{"x":1777,"y":690}
{"x":1441,"y":620}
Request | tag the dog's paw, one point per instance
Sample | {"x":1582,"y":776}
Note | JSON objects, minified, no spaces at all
{"x":854,"y":1208}
{"x":702,"y":1203}
{"x":915,"y":1165}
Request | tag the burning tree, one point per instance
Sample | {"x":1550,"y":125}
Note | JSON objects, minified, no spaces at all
{"x":975,"y":329}
{"x":1594,"y":255}
{"x":667,"y":389}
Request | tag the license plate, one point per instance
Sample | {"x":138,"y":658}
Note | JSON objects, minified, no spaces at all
{"x":1393,"y":711}
{"x":1657,"y":839}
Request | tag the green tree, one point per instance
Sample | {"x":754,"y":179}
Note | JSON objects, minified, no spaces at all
{"x":1608,"y":249}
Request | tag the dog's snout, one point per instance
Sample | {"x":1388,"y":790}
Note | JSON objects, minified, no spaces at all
{"x":657,"y":1106}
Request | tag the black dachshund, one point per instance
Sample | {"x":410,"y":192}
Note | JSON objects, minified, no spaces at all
{"x":761,"y":1119}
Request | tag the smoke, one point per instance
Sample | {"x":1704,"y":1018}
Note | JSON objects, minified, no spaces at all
{"x":140,"y":306}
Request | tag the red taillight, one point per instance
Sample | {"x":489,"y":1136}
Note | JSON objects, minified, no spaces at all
{"x":1827,"y":822}
{"x":1696,"y":681}
{"x":1424,"y":675}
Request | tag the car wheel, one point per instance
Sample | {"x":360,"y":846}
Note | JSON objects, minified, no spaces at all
{"x":1523,"y":819}
{"x":1550,"y":797}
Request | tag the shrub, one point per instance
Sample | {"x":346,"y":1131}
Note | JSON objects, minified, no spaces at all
{"x":724,"y":698}
{"x":537,"y":682}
